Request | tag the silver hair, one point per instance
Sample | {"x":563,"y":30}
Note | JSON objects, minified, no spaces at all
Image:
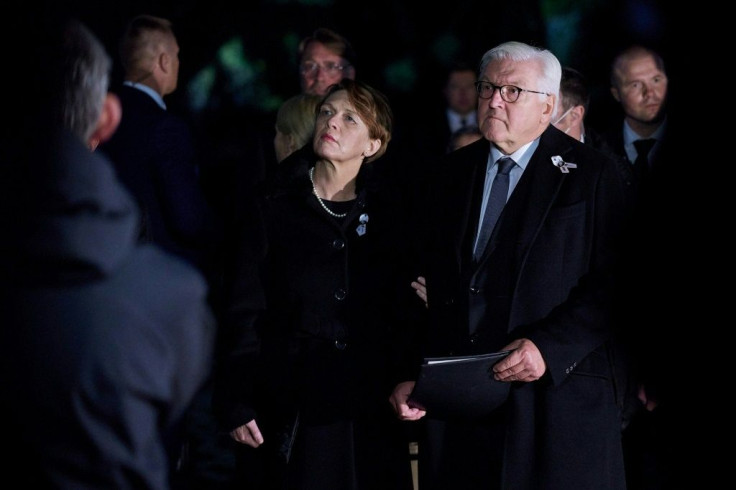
{"x":85,"y":78}
{"x":549,"y":82}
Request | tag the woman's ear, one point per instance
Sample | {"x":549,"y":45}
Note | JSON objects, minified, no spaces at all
{"x":373,"y":147}
{"x":110,"y":116}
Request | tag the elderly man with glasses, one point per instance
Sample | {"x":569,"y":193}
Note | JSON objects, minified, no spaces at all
{"x":536,"y":284}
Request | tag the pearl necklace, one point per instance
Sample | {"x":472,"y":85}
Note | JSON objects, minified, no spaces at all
{"x":321,"y":202}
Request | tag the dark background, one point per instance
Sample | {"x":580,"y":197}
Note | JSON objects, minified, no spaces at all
{"x":244,"y":55}
{"x":238,"y":62}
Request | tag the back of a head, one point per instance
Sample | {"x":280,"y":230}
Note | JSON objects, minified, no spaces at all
{"x":574,"y":89}
{"x":140,"y":44}
{"x":517,"y":51}
{"x":71,"y":74}
{"x":295,"y":119}
{"x":373,"y":108}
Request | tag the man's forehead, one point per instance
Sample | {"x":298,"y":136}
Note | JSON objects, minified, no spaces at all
{"x":317,"y":50}
{"x":508,"y":68}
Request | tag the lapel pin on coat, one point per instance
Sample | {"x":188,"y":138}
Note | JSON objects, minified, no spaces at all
{"x":361,"y":229}
{"x":562,"y":164}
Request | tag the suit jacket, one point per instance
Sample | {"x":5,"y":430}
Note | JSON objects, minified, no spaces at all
{"x":105,"y":342}
{"x":545,"y":275}
{"x":154,"y":157}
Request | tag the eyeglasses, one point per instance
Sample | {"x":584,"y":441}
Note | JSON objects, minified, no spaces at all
{"x":330,"y":67}
{"x":509,"y":93}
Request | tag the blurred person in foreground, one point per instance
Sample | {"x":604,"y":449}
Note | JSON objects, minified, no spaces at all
{"x":313,"y":312}
{"x":540,"y":287}
{"x":104,"y":341}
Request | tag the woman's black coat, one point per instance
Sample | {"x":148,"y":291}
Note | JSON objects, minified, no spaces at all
{"x":316,"y":314}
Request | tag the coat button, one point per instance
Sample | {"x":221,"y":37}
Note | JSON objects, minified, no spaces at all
{"x":340,"y":345}
{"x":338,"y":243}
{"x":340,"y":294}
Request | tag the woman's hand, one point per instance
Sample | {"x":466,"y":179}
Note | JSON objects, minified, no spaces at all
{"x":248,"y":434}
{"x":399,"y":401}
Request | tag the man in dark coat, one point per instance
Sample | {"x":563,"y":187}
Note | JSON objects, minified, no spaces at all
{"x":104,"y":342}
{"x":539,"y":288}
{"x":153,"y":149}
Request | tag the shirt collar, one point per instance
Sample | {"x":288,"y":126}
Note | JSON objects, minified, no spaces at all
{"x":520,"y":156}
{"x":455,"y":119}
{"x":148,"y":90}
{"x":630,"y":135}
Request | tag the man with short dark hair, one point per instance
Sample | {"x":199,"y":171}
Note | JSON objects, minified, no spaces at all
{"x":153,"y":150}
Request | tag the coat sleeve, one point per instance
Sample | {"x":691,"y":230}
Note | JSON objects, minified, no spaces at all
{"x":583,"y":321}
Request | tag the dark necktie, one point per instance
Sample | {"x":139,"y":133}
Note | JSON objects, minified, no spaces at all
{"x":641,"y":164}
{"x":496,"y":202}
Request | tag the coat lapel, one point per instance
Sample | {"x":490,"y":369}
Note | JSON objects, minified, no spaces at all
{"x":463,"y":177}
{"x":533,"y":196}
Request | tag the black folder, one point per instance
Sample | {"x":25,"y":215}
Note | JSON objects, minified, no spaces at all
{"x":459,"y":387}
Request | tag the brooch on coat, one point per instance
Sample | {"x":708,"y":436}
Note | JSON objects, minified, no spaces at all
{"x":361,"y":229}
{"x":562,"y":164}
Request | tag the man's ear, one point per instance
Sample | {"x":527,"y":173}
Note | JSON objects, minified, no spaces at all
{"x":164,"y":61}
{"x":110,"y":116}
{"x":578,"y":112}
{"x":616,"y":95}
{"x":549,"y":109}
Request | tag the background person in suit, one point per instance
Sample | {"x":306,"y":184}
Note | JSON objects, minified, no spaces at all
{"x":153,"y":150}
{"x":105,"y":341}
{"x":639,"y":84}
{"x":457,"y":111}
{"x":539,"y":288}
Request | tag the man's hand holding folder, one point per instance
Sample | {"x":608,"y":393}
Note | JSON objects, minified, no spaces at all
{"x":459,"y":387}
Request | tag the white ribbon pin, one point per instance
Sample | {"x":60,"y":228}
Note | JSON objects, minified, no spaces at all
{"x":562,"y":164}
{"x":361,"y":229}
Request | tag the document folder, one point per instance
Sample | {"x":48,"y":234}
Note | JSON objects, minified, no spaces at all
{"x":459,"y":387}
